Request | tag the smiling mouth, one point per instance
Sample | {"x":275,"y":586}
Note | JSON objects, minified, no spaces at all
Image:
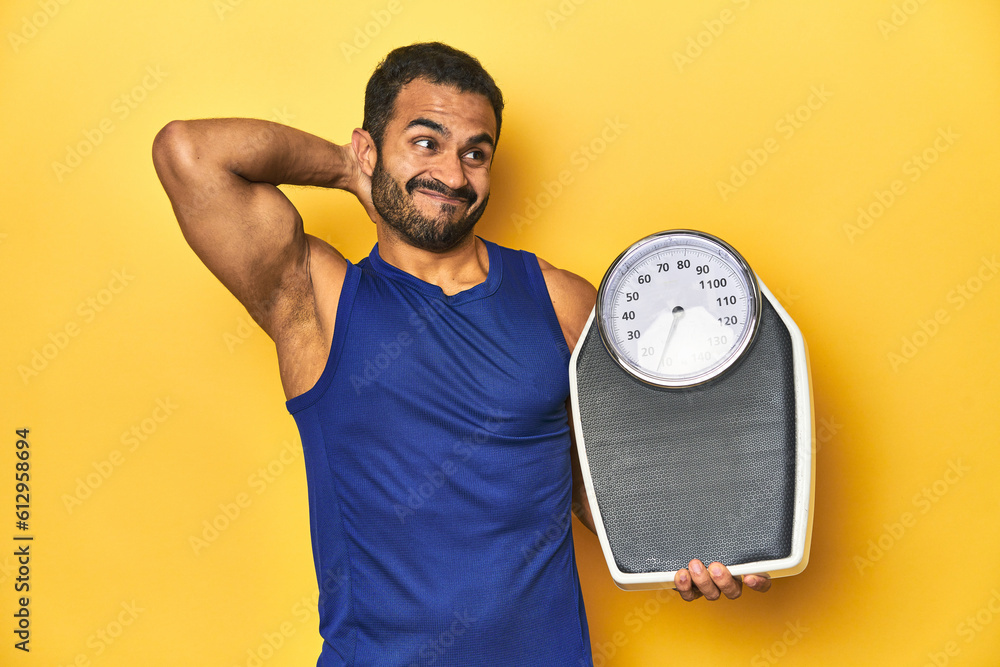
{"x":443,"y":199}
{"x":441,"y":193}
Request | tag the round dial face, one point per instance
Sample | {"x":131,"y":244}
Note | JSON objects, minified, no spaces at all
{"x":678,"y":308}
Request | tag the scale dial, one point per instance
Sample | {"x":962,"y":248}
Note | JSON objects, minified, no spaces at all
{"x":678,"y":308}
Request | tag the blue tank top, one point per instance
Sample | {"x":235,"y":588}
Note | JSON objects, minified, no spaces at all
{"x":437,"y":456}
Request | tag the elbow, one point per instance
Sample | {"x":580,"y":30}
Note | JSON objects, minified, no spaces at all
{"x":167,"y":138}
{"x":175,"y":150}
{"x":177,"y":165}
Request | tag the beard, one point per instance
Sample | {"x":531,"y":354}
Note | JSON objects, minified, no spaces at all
{"x":433,"y":234}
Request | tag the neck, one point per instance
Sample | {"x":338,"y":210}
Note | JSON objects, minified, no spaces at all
{"x":456,"y":270}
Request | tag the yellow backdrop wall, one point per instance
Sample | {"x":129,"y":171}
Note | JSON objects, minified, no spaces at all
{"x":848,"y":149}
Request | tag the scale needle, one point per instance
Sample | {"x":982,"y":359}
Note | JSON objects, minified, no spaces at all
{"x":678,"y":313}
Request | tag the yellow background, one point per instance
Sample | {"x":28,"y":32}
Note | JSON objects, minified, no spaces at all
{"x":895,"y":576}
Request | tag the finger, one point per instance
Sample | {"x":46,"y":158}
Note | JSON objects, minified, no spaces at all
{"x":682,"y":582}
{"x":703,"y":580}
{"x":731,"y":587}
{"x":758,"y":582}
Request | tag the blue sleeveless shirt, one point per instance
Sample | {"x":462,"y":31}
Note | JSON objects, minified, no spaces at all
{"x":437,"y":456}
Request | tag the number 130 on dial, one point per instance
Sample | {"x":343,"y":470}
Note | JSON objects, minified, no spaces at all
{"x":678,"y":308}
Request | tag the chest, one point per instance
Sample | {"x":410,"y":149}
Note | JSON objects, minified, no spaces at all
{"x":490,"y":363}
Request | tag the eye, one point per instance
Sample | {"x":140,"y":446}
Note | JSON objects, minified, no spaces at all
{"x":476,"y":155}
{"x":425,"y":143}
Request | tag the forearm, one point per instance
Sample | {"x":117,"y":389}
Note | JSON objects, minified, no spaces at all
{"x":581,"y":507}
{"x":259,"y":151}
{"x":581,"y":503}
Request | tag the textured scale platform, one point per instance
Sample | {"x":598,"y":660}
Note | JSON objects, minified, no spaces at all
{"x":693,"y":480}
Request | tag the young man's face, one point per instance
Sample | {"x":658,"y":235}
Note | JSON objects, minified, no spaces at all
{"x":431,"y":181}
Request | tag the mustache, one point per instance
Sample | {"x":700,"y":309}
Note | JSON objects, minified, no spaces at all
{"x":465,"y":193}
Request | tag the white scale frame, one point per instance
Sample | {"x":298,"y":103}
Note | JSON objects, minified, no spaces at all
{"x":805,"y":469}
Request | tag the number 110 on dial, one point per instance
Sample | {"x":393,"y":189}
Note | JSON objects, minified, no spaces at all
{"x":678,"y":308}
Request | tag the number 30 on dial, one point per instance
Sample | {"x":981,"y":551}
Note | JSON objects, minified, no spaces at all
{"x":678,"y":308}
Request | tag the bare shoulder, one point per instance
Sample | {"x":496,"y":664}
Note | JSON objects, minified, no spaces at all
{"x":573,"y":297}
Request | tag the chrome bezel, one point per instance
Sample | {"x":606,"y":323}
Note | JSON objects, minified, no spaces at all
{"x":638,"y":251}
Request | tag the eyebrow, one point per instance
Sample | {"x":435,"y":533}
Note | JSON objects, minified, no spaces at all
{"x":428,"y":123}
{"x":446,"y":133}
{"x":483,"y":138}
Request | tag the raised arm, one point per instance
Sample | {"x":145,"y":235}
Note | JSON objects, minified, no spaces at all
{"x":221,"y":176}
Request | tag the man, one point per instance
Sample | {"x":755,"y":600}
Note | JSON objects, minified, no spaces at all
{"x":429,"y":381}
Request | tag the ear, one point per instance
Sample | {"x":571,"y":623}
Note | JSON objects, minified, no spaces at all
{"x":364,"y":150}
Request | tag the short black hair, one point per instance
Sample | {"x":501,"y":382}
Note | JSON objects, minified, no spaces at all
{"x":434,"y":61}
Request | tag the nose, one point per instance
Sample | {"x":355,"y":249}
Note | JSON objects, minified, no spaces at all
{"x":448,"y":169}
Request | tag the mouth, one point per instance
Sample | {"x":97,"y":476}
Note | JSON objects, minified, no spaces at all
{"x":441,"y":198}
{"x":441,"y":194}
